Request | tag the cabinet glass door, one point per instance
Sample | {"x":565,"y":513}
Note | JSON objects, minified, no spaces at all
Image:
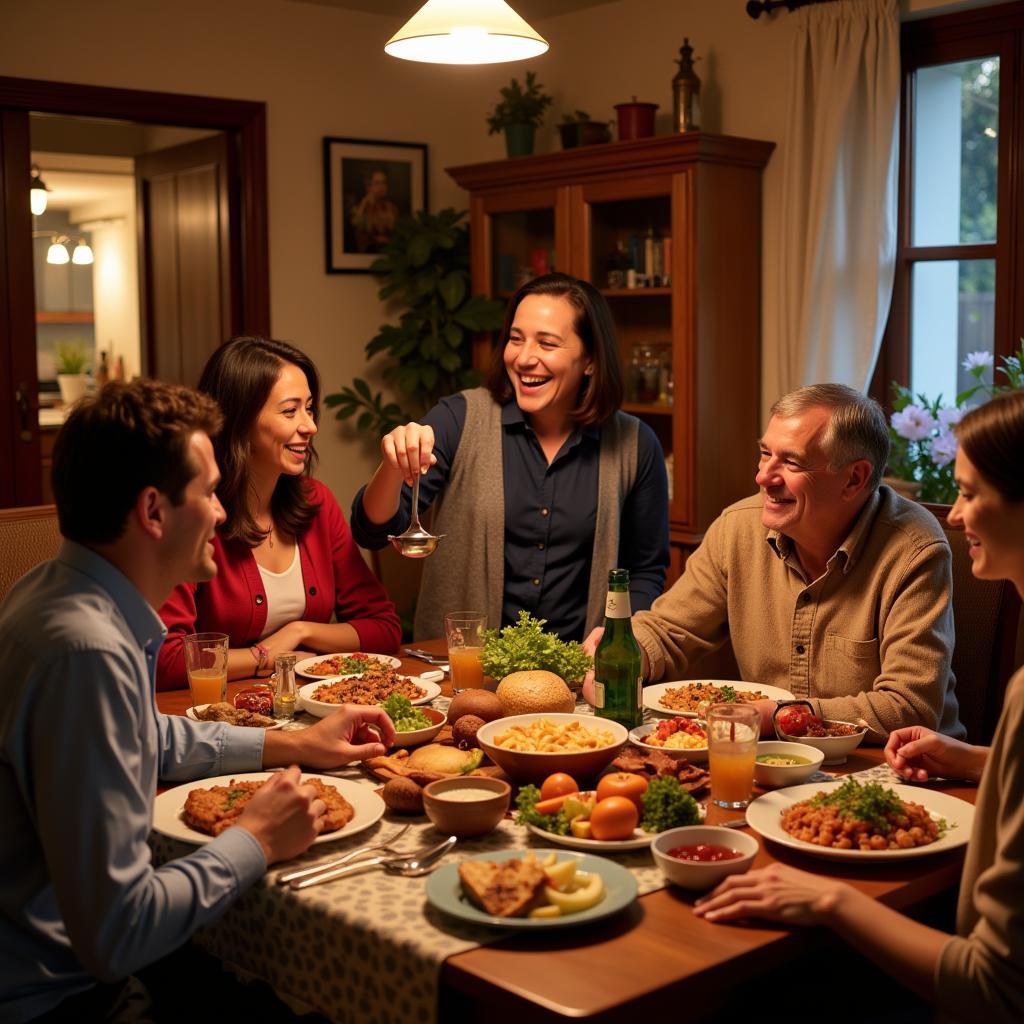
{"x":522,"y":247}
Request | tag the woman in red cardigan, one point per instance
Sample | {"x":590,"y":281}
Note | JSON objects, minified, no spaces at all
{"x":286,"y":560}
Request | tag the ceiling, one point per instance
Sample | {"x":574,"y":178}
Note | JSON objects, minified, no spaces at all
{"x":531,"y":10}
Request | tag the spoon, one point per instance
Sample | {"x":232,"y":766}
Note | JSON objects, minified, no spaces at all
{"x":290,"y":876}
{"x":400,"y":865}
{"x":415,"y":542}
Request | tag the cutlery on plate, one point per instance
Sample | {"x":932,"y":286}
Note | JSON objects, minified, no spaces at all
{"x":430,"y":659}
{"x":397,"y":865}
{"x":289,"y":876}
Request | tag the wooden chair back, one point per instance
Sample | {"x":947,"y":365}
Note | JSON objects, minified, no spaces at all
{"x":986,"y":614}
{"x":28,"y":536}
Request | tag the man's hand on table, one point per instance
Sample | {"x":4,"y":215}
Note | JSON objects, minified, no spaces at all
{"x":776,"y":893}
{"x":340,"y":738}
{"x":285,"y":817}
{"x":918,"y":754}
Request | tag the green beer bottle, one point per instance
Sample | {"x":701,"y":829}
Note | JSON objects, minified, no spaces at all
{"x":617,"y":673}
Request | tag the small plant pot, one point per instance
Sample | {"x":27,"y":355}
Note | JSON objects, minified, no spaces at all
{"x":636,"y":120}
{"x":584,"y":133}
{"x":519,"y":139}
{"x":72,"y":386}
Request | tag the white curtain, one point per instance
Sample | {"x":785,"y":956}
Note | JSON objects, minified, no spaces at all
{"x":838,"y":230}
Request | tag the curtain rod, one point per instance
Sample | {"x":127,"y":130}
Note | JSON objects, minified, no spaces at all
{"x":755,"y":8}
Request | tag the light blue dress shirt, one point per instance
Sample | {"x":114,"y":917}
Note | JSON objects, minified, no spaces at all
{"x":81,"y":748}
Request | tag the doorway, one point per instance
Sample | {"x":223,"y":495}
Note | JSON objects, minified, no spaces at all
{"x":177,"y":202}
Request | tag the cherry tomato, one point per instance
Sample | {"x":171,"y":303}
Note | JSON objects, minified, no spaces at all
{"x":558,"y":784}
{"x":793,"y":720}
{"x":614,"y":818}
{"x":626,"y":784}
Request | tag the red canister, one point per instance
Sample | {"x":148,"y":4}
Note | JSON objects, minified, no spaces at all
{"x":636,"y":120}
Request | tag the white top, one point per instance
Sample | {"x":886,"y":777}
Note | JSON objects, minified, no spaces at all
{"x":286,"y":595}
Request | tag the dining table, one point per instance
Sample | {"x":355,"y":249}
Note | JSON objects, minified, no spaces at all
{"x":654,"y":957}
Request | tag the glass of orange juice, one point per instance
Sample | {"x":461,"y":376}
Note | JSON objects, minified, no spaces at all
{"x":733,"y":731}
{"x":464,"y":632}
{"x":206,"y":661}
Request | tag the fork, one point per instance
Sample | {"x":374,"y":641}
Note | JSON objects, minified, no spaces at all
{"x":290,"y":876}
{"x":430,"y":659}
{"x":418,"y":864}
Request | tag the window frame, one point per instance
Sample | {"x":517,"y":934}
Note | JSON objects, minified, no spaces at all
{"x":946,"y":39}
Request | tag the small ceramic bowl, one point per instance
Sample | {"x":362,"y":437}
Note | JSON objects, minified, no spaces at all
{"x":776,"y":775}
{"x":695,"y":755}
{"x":524,"y":766}
{"x":702,"y":875}
{"x":424,"y":735}
{"x":465,"y":807}
{"x":835,"y":748}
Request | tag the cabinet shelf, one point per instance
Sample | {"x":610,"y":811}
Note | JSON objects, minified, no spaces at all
{"x":648,"y":408}
{"x":633,"y":293}
{"x":69,"y":316}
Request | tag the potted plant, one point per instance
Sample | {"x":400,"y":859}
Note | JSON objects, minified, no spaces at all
{"x":73,"y":381}
{"x":425,"y":263}
{"x":577,"y":129}
{"x":519,"y":112}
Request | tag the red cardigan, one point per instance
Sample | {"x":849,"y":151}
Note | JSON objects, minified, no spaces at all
{"x":334,"y":574}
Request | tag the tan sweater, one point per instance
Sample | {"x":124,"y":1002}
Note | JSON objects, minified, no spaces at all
{"x":872,"y":638}
{"x":980,"y":975}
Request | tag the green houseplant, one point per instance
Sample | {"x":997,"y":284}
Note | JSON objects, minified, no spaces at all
{"x":518,"y":114}
{"x":71,"y":360}
{"x":425,"y":264}
{"x":579,"y":129}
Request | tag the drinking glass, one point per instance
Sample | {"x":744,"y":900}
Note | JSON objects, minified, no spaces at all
{"x":733,"y":731}
{"x":206,"y":661}
{"x":464,"y":632}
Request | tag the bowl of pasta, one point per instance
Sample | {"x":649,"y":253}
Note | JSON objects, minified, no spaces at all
{"x":529,"y":748}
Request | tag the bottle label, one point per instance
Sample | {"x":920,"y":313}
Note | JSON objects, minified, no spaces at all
{"x":598,"y":694}
{"x":617,"y":605}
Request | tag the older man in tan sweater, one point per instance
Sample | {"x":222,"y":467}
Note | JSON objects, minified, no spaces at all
{"x":826,"y":583}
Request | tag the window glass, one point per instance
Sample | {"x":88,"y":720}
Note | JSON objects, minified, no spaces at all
{"x":955,"y":160}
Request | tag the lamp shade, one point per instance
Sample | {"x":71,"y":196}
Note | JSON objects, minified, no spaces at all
{"x":82,"y":256}
{"x":37,"y":195}
{"x":465,"y":32}
{"x":57,"y":253}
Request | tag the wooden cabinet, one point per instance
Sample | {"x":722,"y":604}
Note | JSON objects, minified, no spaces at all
{"x":698,"y":198}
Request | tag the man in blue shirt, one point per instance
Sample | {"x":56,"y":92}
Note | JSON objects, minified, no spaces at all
{"x":81,"y":742}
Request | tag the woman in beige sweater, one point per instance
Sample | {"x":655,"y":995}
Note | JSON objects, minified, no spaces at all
{"x":980,"y":970}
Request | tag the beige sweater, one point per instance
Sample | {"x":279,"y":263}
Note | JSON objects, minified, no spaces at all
{"x":872,"y":638}
{"x":980,"y":975}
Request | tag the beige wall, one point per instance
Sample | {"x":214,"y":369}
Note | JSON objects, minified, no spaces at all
{"x":322,"y":71}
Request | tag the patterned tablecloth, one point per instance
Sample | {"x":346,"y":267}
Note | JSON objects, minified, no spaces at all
{"x":368,"y":948}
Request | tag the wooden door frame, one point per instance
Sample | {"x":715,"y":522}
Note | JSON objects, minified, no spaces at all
{"x":244,"y":123}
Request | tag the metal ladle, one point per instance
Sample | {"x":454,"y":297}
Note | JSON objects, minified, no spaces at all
{"x":415,"y":542}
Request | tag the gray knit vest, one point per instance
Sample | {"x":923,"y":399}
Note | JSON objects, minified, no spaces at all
{"x":467,"y":571}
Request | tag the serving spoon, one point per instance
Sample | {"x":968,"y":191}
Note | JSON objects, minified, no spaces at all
{"x":415,"y":542}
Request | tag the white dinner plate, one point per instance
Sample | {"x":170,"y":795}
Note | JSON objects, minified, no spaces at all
{"x":695,"y":755}
{"x":191,"y":713}
{"x":302,"y":667}
{"x":444,"y":891}
{"x":654,"y":693}
{"x":322,"y":708}
{"x":641,"y":840}
{"x":169,"y":805}
{"x":764,"y":816}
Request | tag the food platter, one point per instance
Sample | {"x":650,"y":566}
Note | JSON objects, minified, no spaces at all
{"x":653,"y":694}
{"x":168,"y":806}
{"x":695,"y":755}
{"x":444,"y":891}
{"x":191,"y":713}
{"x":302,"y":667}
{"x":640,"y":841}
{"x":322,"y":708}
{"x":764,"y":817}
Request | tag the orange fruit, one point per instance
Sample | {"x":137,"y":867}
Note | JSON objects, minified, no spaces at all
{"x":558,"y":784}
{"x":615,"y":817}
{"x":625,"y":784}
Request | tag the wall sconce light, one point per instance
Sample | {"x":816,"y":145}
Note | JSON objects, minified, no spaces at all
{"x":465,"y":32}
{"x":58,"y":251}
{"x":82,"y":255}
{"x":37,"y":195}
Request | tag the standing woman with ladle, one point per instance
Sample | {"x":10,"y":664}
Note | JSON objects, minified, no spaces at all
{"x":541,"y":485}
{"x":286,"y":560}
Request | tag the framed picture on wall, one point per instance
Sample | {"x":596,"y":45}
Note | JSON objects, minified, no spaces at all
{"x":368,"y":185}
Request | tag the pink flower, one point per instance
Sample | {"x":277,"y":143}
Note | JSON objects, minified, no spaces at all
{"x":943,"y":449}
{"x":949,"y":417}
{"x":913,"y":423}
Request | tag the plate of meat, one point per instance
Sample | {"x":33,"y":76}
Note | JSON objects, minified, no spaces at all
{"x":198,"y":811}
{"x":350,"y":663}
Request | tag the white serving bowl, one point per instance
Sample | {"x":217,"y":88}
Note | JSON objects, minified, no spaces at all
{"x":777,"y":775}
{"x":699,"y":875}
{"x":835,"y":748}
{"x":521,"y":766}
{"x":696,"y":755}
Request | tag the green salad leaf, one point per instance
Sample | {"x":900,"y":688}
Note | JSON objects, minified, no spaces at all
{"x":526,"y":646}
{"x":668,"y":805}
{"x":405,"y":717}
{"x":527,"y":801}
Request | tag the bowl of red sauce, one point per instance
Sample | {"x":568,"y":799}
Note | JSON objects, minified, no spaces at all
{"x":699,"y":856}
{"x":258,"y":698}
